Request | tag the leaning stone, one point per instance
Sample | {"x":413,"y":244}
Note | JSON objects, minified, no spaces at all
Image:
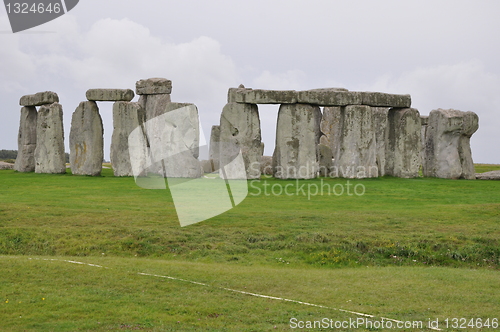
{"x":240,"y":132}
{"x":250,"y":96}
{"x":404,"y":144}
{"x":330,"y":127}
{"x":39,"y":99}
{"x":447,"y":144}
{"x":266,"y":165}
{"x":153,"y":86}
{"x":26,"y":140}
{"x":381,"y":136}
{"x":297,"y":138}
{"x":493,"y":175}
{"x":86,"y":141}
{"x":49,"y":152}
{"x":126,"y":117}
{"x":356,"y":155}
{"x":214,"y":149}
{"x":329,"y":97}
{"x":110,"y":95}
{"x":379,"y":99}
{"x":325,"y":159}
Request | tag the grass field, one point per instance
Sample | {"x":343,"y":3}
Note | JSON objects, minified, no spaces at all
{"x":407,"y":249}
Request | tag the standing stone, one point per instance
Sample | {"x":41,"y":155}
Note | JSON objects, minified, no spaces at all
{"x":381,"y":136}
{"x":447,"y":144}
{"x":240,"y":131}
{"x":214,"y":150}
{"x":266,"y":165}
{"x":49,"y":152}
{"x":127,"y":116}
{"x":404,"y":144}
{"x":356,"y":155}
{"x":424,"y":120}
{"x":86,"y":141}
{"x":174,"y":138}
{"x":330,"y":127}
{"x":26,"y":140}
{"x":298,"y":133}
{"x":325,"y":160}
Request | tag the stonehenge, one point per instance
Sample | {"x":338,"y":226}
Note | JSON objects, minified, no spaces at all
{"x":329,"y":132}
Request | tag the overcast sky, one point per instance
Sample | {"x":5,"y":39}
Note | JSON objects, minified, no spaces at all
{"x":446,"y":54}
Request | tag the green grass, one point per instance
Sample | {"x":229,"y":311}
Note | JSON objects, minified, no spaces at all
{"x":481,"y":168}
{"x":406,"y":249}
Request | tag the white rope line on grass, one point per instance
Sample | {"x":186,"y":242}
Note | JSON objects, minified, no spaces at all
{"x":244,"y":292}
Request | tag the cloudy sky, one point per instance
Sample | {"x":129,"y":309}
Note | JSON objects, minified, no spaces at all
{"x":446,"y":54}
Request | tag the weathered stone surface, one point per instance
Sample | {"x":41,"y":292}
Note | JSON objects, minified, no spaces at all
{"x":257,"y":96}
{"x":240,"y":131}
{"x":329,"y":97}
{"x":493,"y":175}
{"x":447,"y":144}
{"x":379,"y":99}
{"x":127,"y":116}
{"x":86,"y":142}
{"x":356,"y":155}
{"x":26,"y":140}
{"x":214,"y":150}
{"x":325,"y":159}
{"x":330,"y":127}
{"x":297,"y":137}
{"x":153,"y":86}
{"x":424,"y":120}
{"x":5,"y":166}
{"x":207,"y":166}
{"x":266,"y":165}
{"x":404,"y":144}
{"x":381,"y":136}
{"x":174,"y":138}
{"x":154,"y":105}
{"x":39,"y":99}
{"x":110,"y":95}
{"x":49,"y":152}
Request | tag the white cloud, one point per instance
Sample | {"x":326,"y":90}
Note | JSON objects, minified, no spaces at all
{"x":465,"y":86}
{"x":291,"y":79}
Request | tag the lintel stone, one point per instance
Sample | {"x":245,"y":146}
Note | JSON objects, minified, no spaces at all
{"x":110,"y":95}
{"x":257,"y":96}
{"x":379,"y":99}
{"x":153,"y":86}
{"x":329,"y":97}
{"x":39,"y":99}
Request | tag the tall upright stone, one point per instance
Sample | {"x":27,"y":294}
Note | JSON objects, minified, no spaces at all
{"x":381,"y":128}
{"x":296,"y":154}
{"x":404,"y":144}
{"x":174,"y":138}
{"x":330,"y":127}
{"x":240,"y":132}
{"x":447,"y":144}
{"x":154,"y":105}
{"x":86,"y":140}
{"x":127,"y":116}
{"x":26,"y":140}
{"x":49,"y":152}
{"x":356,"y":155}
{"x":214,"y":149}
{"x":424,"y":120}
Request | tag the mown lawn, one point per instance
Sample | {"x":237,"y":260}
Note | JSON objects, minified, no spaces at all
{"x":407,"y":249}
